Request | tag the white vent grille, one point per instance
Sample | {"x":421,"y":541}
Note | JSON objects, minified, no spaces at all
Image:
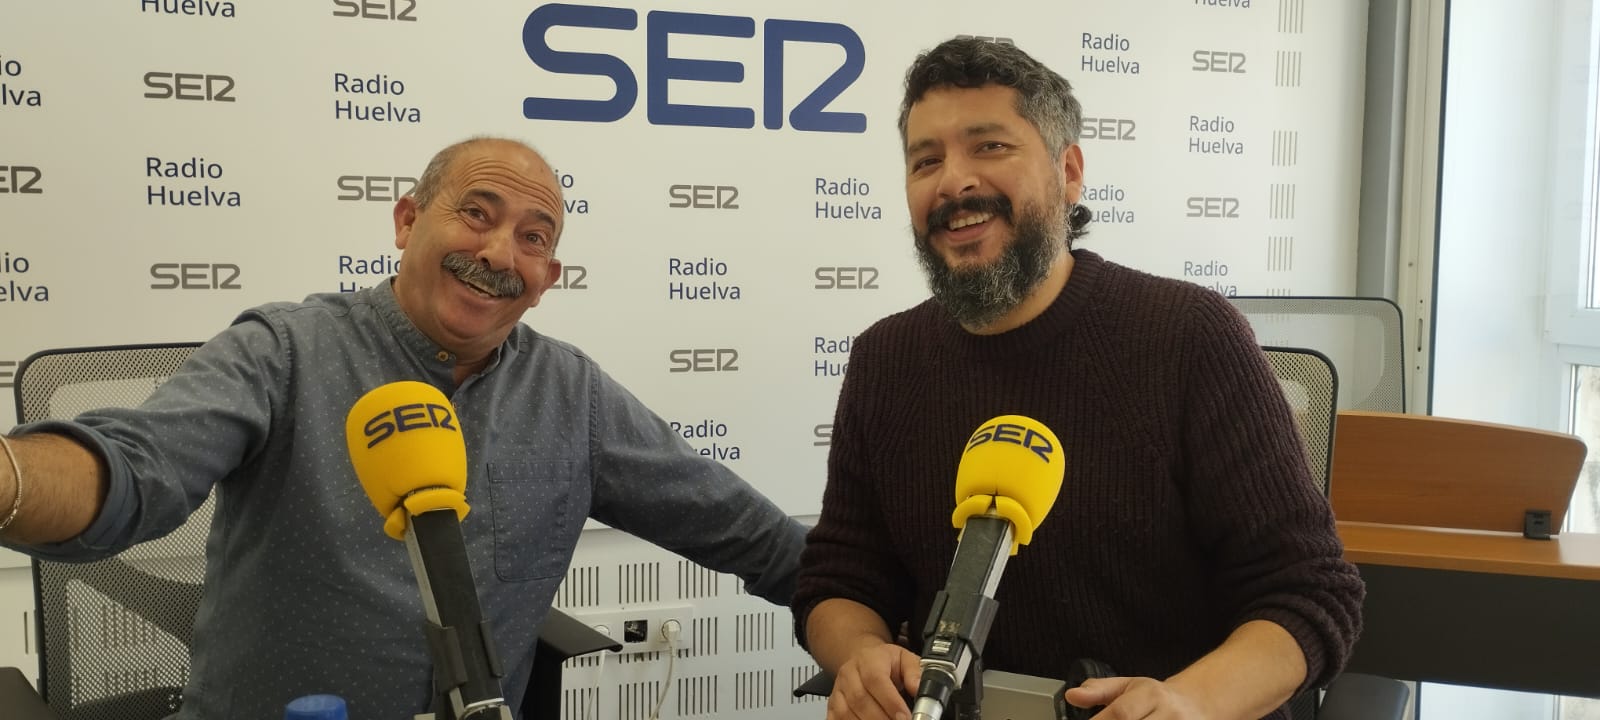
{"x":738,"y":663}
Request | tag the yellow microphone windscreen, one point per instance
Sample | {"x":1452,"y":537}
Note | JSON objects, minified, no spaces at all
{"x":1014,"y":464}
{"x":403,"y":437}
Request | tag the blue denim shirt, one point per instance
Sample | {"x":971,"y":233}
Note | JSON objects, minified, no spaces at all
{"x":304,"y":592}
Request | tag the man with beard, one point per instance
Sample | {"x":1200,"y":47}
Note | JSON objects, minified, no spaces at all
{"x":303,"y":592}
{"x":1188,"y":550}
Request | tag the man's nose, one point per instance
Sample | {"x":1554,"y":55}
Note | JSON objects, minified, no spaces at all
{"x":958,"y":176}
{"x":498,"y":250}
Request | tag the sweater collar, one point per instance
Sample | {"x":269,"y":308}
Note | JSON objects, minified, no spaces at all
{"x":1088,"y":268}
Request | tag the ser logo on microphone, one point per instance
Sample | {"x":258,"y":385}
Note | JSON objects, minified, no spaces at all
{"x":403,"y":418}
{"x":1022,"y":435}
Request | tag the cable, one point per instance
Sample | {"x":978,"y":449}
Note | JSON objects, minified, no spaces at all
{"x":598,"y":674}
{"x":669,"y":632}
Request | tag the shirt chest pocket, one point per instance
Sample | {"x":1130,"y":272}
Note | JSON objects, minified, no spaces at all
{"x":539,"y":507}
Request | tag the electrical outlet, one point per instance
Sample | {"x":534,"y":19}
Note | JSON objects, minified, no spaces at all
{"x":639,"y":628}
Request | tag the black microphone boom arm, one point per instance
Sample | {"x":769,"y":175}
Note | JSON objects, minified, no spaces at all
{"x":466,"y":670}
{"x":958,"y":623}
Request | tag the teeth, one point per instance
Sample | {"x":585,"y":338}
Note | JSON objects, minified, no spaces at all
{"x":481,"y":289}
{"x":959,"y":223}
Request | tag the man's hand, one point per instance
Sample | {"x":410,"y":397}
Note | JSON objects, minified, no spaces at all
{"x":873,"y":683}
{"x":1134,"y":698}
{"x":1253,"y":672}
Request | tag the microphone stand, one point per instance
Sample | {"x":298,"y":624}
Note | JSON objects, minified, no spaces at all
{"x":959,"y":621}
{"x":466,"y":671}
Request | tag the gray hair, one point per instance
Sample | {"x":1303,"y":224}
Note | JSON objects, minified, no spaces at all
{"x":1044,"y":98}
{"x":432,"y":179}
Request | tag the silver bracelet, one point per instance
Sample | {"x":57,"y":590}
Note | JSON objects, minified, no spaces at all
{"x":16,"y":472}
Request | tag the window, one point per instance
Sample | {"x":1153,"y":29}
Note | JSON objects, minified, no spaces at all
{"x":1584,"y":515}
{"x":1572,"y":307}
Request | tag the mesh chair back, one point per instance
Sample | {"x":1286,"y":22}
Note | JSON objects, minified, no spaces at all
{"x":1310,"y":384}
{"x":113,"y":634}
{"x":1362,"y":336}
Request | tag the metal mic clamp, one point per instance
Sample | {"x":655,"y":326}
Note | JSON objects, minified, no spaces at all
{"x":959,"y":620}
{"x":466,"y":670}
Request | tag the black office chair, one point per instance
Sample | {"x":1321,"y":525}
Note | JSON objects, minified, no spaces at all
{"x":1311,"y":386}
{"x":1362,"y":336}
{"x":114,"y":634}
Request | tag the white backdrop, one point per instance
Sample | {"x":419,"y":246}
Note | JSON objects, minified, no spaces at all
{"x":1222,"y":147}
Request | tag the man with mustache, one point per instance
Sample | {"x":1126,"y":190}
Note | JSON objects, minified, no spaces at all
{"x":1188,"y":550}
{"x":304,"y":594}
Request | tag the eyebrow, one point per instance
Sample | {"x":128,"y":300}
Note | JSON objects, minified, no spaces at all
{"x":493,"y":199}
{"x":971,"y":131}
{"x":488,"y":197}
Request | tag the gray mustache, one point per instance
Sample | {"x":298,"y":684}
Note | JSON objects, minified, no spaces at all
{"x":501,"y":283}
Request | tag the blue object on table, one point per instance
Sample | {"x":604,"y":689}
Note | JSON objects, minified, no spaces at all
{"x":316,"y":707}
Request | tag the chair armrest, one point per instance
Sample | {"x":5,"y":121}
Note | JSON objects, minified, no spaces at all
{"x":1356,"y":696}
{"x":820,"y":684}
{"x":18,"y":694}
{"x":563,"y":636}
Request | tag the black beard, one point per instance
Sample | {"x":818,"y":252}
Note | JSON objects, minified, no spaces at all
{"x":978,"y":296}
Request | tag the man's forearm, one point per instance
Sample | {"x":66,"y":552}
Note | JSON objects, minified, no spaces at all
{"x":1255,"y":671}
{"x":837,"y":628}
{"x":63,"y":488}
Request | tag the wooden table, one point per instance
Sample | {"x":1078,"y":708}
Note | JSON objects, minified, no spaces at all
{"x":1480,"y":608}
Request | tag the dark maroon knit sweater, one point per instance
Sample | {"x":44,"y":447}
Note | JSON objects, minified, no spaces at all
{"x":1187,"y":507}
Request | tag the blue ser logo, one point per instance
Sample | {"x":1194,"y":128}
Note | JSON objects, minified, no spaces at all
{"x":809,"y":114}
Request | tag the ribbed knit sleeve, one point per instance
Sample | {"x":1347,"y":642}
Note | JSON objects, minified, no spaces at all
{"x":1253,"y":503}
{"x":847,"y":553}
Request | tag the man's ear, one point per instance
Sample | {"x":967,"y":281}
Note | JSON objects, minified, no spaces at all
{"x":1072,"y":172}
{"x":405,"y":216}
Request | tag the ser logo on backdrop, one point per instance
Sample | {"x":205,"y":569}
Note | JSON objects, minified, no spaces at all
{"x":831,"y":277}
{"x":573,"y":277}
{"x":1109,"y":129}
{"x":661,"y":68}
{"x":1218,"y":61}
{"x":699,"y":360}
{"x":374,"y":188}
{"x":189,"y":86}
{"x":8,"y":373}
{"x":1225,"y":208}
{"x":20,"y":180}
{"x":195,"y":276}
{"x":703,"y":197}
{"x":401,"y":10}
